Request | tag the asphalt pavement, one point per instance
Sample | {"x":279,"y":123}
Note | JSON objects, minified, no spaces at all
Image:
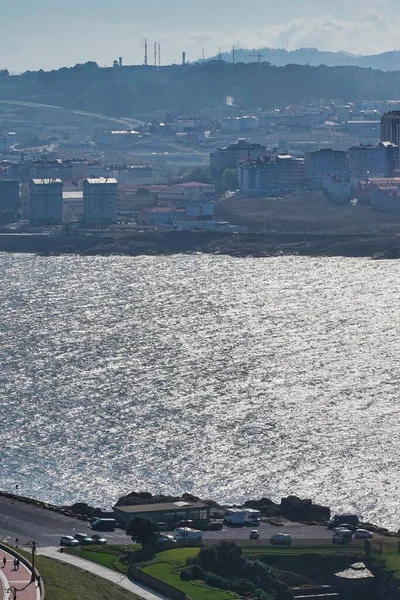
{"x":28,"y":522}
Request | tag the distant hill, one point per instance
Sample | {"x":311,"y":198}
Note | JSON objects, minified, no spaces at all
{"x":138,"y":90}
{"x":387,"y":61}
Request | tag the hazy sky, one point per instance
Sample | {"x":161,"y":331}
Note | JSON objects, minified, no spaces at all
{"x":51,"y":33}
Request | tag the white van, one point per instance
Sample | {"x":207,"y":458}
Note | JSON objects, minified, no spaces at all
{"x":234,"y":516}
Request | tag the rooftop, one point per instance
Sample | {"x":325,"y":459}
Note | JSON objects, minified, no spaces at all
{"x":72,"y":195}
{"x":101,"y":180}
{"x":163,"y":506}
{"x":193,"y":184}
{"x":45,"y":181}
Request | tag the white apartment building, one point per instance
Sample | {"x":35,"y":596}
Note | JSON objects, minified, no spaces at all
{"x":365,"y":162}
{"x":100,"y":201}
{"x":45,"y":202}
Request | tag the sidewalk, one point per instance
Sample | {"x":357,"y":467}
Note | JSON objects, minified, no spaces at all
{"x":20,"y":579}
{"x":117,"y":578}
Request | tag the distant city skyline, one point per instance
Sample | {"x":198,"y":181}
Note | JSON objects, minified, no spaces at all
{"x":51,"y":34}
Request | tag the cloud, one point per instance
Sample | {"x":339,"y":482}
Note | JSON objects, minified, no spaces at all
{"x":371,"y":33}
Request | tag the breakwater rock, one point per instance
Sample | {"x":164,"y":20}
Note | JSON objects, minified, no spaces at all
{"x":154,"y":243}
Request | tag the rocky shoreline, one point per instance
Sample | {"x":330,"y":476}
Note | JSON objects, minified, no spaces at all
{"x":291,"y":508}
{"x":161,"y":243}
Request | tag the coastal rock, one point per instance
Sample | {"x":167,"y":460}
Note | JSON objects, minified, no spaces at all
{"x":295,"y":509}
{"x":266,"y":506}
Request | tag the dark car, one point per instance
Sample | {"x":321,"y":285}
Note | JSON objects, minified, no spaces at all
{"x":213,"y":526}
{"x":338,"y":520}
{"x":185,"y":523}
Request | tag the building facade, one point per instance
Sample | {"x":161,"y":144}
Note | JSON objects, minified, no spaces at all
{"x":326,"y":161}
{"x":168,"y":512}
{"x":45,"y":202}
{"x":10,"y":200}
{"x":271,"y":174}
{"x":72,"y":206}
{"x":229,"y":157}
{"x":366,"y":161}
{"x":390,"y":127}
{"x":100,"y":201}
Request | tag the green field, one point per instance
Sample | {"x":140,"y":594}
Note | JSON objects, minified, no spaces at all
{"x":112,"y":556}
{"x":66,"y":582}
{"x":167,"y":566}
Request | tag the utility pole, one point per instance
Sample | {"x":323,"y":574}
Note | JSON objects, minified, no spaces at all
{"x":259,"y":56}
{"x":145,"y":53}
{"x":32,"y":545}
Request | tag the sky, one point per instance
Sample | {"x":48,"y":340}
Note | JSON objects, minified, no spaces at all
{"x":48,"y":34}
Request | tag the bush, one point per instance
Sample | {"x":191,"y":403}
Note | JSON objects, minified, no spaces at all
{"x":198,"y":572}
{"x":217,"y":581}
{"x":242,"y":586}
{"x":186,"y":574}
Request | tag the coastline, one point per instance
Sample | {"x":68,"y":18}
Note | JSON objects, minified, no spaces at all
{"x":164,"y":243}
{"x":290,"y":509}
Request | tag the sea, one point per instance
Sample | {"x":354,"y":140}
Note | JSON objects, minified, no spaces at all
{"x":229,"y":378}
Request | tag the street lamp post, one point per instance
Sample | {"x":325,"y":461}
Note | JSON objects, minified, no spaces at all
{"x":33,"y":545}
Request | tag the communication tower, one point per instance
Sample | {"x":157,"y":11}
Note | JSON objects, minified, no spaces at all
{"x":145,"y":53}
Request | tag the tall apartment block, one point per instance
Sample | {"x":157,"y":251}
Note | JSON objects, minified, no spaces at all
{"x":100,"y":201}
{"x":390,"y":127}
{"x":45,"y":201}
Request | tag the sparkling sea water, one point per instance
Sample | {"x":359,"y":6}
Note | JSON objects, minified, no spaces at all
{"x":228,"y":378}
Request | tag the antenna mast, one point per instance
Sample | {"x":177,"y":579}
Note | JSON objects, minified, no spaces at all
{"x":155,"y":54}
{"x":220,"y":53}
{"x":159,"y":55}
{"x":145,"y":53}
{"x":233,"y":54}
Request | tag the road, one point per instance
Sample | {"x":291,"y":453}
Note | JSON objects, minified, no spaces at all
{"x":126,"y":121}
{"x":27,"y":522}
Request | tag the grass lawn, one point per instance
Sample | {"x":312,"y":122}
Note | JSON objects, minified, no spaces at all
{"x":66,"y":582}
{"x":112,"y":557}
{"x":167,"y":565}
{"x":392,"y":561}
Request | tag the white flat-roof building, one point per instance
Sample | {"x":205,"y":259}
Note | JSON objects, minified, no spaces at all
{"x":100,"y":201}
{"x":46,"y":201}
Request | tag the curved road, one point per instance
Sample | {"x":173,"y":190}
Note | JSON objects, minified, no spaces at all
{"x":126,"y":121}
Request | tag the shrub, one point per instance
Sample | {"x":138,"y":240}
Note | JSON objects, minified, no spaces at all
{"x":186,"y":574}
{"x":242,"y":586}
{"x":217,"y":581}
{"x":198,"y":572}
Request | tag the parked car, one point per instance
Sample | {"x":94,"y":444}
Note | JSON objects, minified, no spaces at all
{"x":98,"y":539}
{"x":254,"y":534}
{"x":68,"y":540}
{"x":167,"y":538}
{"x":84,"y":539}
{"x":162,"y":526}
{"x":349,"y":526}
{"x":363,"y":533}
{"x":214,"y":526}
{"x":185,"y":523}
{"x":338,"y":520}
{"x":281,"y":538}
{"x":342,"y":536}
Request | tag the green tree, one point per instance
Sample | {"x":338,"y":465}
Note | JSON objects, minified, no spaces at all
{"x":143,"y":531}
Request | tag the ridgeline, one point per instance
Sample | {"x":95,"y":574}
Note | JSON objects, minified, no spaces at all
{"x":134,"y":90}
